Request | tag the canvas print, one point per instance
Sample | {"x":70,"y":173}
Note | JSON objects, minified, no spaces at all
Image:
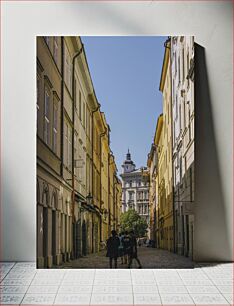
{"x":115,"y":152}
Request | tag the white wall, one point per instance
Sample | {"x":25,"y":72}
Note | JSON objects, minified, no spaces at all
{"x":210,"y":22}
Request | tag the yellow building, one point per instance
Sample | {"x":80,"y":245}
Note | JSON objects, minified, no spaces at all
{"x":105,"y":151}
{"x":118,"y":201}
{"x":158,"y":140}
{"x":152,"y":166}
{"x":74,"y":196}
{"x":112,"y":173}
{"x":165,"y":187}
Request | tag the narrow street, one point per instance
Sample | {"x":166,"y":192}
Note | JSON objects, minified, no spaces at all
{"x":149,"y":257}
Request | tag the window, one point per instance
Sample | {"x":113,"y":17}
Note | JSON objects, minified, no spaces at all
{"x":75,"y":151}
{"x":80,"y":105}
{"x":183,"y":66}
{"x":55,"y":49}
{"x":83,"y":114}
{"x":68,"y":69}
{"x":180,"y":116}
{"x":179,"y":68}
{"x":74,"y":98}
{"x":65,"y":143}
{"x":47,"y":116}
{"x":191,"y":183}
{"x":184,"y":114}
{"x":38,"y":98}
{"x":130,"y":196}
{"x":187,"y":61}
{"x":88,"y":122}
{"x":130,"y":183}
{"x":180,"y":170}
{"x":69,"y":148}
{"x":55,"y":126}
{"x":189,"y":123}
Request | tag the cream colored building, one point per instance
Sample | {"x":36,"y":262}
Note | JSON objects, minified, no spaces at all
{"x":54,"y":189}
{"x":182,"y":55}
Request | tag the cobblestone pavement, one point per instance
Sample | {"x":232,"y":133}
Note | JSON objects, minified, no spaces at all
{"x":149,"y":258}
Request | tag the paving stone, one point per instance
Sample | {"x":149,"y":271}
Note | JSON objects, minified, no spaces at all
{"x":39,"y":299}
{"x":11,"y":299}
{"x":13,"y":289}
{"x":43,"y":289}
{"x":72,"y":299}
{"x":145,"y":289}
{"x":112,"y":289}
{"x":147,"y":299}
{"x":163,"y":289}
{"x":74,"y":289}
{"x":209,"y":299}
{"x":176,"y":299}
{"x":112,"y":299}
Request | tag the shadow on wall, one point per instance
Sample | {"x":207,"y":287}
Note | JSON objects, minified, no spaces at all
{"x":18,"y":227}
{"x":211,"y":239}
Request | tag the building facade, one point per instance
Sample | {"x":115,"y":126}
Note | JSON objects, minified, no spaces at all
{"x":135,"y":188}
{"x":165,"y":183}
{"x":182,"y":57}
{"x":70,"y":132}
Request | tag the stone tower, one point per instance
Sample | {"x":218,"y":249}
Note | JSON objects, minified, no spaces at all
{"x":128,"y":164}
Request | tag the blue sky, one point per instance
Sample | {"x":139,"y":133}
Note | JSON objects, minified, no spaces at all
{"x":126,"y":74}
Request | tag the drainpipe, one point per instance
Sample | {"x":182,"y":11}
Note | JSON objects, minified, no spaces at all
{"x":73,"y":133}
{"x":62,"y":109}
{"x":171,"y":115}
{"x":94,"y":111}
{"x":100,"y":139}
{"x":73,"y":127}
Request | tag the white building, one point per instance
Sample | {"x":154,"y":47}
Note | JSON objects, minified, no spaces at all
{"x":182,"y":59}
{"x":135,"y":188}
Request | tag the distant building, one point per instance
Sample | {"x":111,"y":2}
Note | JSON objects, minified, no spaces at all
{"x":135,"y":188}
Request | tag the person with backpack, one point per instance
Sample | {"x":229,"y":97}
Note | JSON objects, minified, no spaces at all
{"x":126,"y":241}
{"x":113,"y":248}
{"x":133,"y":251}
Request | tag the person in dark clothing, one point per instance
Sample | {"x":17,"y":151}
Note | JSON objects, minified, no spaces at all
{"x":126,"y":241}
{"x":133,"y":251}
{"x":113,"y":248}
{"x":121,"y":252}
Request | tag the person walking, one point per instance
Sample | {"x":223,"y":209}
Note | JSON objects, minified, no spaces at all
{"x":121,"y":249}
{"x":126,"y":241}
{"x":113,"y":248}
{"x":133,"y":251}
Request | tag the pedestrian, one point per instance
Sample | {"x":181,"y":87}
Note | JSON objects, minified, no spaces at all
{"x":121,"y":250}
{"x":126,"y":240}
{"x":113,"y":248}
{"x":133,"y":251}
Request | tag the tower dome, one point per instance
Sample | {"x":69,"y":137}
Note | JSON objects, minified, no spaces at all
{"x":128,"y":164}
